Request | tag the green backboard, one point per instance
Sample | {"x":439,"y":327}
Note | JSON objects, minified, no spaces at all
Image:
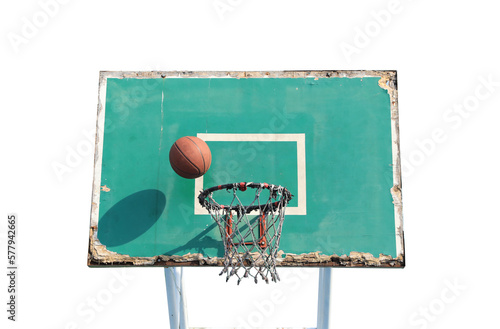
{"x":330,"y":137}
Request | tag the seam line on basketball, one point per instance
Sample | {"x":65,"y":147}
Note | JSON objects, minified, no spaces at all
{"x":201,"y":153}
{"x":188,"y":158}
{"x":185,"y":172}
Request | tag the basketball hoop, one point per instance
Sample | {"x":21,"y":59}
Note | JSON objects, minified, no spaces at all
{"x":250,"y":233}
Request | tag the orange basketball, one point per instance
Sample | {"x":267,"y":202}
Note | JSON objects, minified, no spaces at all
{"x":190,"y":157}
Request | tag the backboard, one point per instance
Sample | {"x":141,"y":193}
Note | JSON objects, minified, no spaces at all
{"x":330,"y":137}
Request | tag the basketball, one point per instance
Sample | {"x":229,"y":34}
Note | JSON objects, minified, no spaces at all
{"x":190,"y":157}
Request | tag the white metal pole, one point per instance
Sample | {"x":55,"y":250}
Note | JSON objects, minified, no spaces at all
{"x":324,"y":292}
{"x":183,"y":322}
{"x":175,"y":297}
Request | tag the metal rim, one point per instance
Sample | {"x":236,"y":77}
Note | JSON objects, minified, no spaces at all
{"x":286,"y":196}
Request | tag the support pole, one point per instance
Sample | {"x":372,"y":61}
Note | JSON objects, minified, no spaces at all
{"x":175,"y":296}
{"x":324,"y":290}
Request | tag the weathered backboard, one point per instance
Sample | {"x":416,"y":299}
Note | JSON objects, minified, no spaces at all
{"x":330,"y":137}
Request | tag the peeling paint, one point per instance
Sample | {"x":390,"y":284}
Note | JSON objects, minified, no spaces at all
{"x":388,"y":82}
{"x":386,"y":75}
{"x":354,"y":259}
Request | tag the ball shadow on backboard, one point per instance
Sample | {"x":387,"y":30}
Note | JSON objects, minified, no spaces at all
{"x":131,"y":217}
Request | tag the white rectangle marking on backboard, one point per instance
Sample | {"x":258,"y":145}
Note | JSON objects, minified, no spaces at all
{"x":300,"y":139}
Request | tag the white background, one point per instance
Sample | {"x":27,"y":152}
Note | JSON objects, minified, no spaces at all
{"x":443,"y":53}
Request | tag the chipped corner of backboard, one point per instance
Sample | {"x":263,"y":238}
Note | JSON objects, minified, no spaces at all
{"x":99,"y":255}
{"x":388,"y":81}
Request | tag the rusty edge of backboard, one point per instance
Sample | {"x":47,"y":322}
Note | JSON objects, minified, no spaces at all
{"x":100,"y":256}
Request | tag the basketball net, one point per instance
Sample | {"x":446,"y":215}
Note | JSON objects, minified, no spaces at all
{"x":250,"y":233}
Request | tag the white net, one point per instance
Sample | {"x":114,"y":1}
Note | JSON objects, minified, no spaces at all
{"x":250,"y":233}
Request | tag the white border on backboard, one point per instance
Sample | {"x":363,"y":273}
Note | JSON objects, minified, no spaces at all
{"x":300,"y":139}
{"x":99,"y":136}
